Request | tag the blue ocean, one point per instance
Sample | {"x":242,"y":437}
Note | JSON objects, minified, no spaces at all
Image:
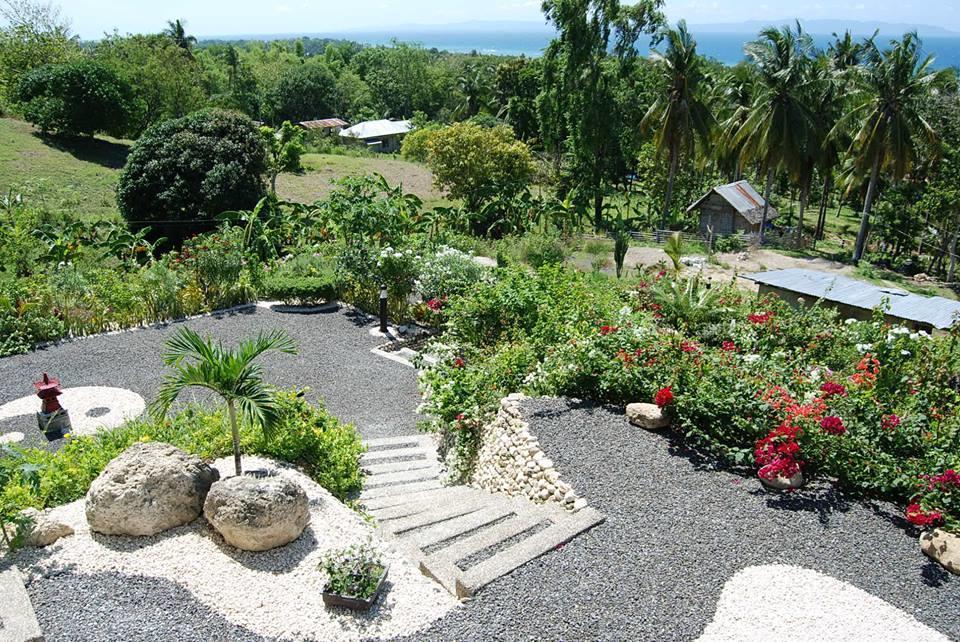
{"x":725,"y":47}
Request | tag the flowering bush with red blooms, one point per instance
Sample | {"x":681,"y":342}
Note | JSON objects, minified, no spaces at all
{"x":728,"y":346}
{"x":690,"y":346}
{"x":917,"y":516}
{"x":867,"y":371}
{"x":459,"y":362}
{"x":778,"y":454}
{"x":664,"y":397}
{"x":889,"y":422}
{"x":436,"y":305}
{"x":608,"y":329}
{"x":833,"y":389}
{"x":760,"y":318}
{"x":833,"y":425}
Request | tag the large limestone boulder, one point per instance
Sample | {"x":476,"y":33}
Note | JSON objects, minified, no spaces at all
{"x":148,"y":488}
{"x":942,"y":547}
{"x":44,"y":529}
{"x":257,"y":514}
{"x":648,"y":416}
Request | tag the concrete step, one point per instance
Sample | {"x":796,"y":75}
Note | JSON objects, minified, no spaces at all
{"x":433,"y":535}
{"x":395,"y":467}
{"x":401,"y":525}
{"x":432,"y":496}
{"x":18,"y":621}
{"x":402,"y":477}
{"x":420,"y":452}
{"x":525,"y":550}
{"x":400,"y":489}
{"x":417,"y":441}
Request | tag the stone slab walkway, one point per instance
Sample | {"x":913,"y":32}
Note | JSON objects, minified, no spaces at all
{"x":462,"y":537}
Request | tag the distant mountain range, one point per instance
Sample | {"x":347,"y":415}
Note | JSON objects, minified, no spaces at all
{"x":827,"y":27}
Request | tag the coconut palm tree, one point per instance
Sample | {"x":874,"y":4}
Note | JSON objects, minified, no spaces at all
{"x":776,"y":130}
{"x":886,"y":116}
{"x":680,"y":115}
{"x":177,"y":32}
{"x":735,"y":98}
{"x":230,"y":373}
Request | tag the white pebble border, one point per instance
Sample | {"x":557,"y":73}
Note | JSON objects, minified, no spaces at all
{"x":276,"y":594}
{"x":781,"y":602}
{"x":510,"y":461}
{"x":81,"y":402}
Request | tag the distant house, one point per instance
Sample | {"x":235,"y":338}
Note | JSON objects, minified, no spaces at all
{"x":857,"y":299}
{"x":379,"y":135}
{"x":325,"y":125}
{"x":732,"y":209}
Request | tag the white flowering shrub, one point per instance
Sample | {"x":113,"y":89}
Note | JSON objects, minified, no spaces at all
{"x":447,"y":273}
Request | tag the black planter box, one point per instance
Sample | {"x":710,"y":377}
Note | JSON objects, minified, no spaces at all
{"x":355,"y":603}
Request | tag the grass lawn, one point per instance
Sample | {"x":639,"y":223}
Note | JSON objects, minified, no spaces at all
{"x":76,"y":177}
{"x":323,"y":169}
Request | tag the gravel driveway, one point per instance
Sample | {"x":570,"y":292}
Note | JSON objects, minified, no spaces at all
{"x":379,"y":396}
{"x":676,"y":531}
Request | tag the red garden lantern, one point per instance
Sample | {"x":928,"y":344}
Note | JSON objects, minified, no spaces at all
{"x":52,"y":418}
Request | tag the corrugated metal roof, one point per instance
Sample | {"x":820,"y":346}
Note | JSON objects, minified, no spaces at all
{"x":746,"y":200}
{"x":936,"y":311}
{"x":377,"y":129}
{"x":323,"y":123}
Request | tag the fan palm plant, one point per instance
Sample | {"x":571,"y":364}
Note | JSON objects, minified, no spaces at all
{"x":679,"y":115}
{"x":231,"y":373}
{"x":886,"y":116}
{"x":777,"y":126}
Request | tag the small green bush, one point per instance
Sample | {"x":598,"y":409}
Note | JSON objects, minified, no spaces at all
{"x":301,"y":290}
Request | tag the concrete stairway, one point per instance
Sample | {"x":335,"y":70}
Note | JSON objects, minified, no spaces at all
{"x":462,"y":537}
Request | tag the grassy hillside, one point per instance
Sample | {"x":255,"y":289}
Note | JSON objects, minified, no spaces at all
{"x":77,"y":177}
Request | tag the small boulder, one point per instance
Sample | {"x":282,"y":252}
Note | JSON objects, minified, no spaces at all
{"x":148,"y":488}
{"x":44,"y":529}
{"x":942,"y":547}
{"x":647,"y":415}
{"x":257,"y":514}
{"x":781,"y":482}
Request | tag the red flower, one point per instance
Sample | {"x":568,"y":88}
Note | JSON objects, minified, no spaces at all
{"x":728,"y":346}
{"x":608,"y":329}
{"x":664,"y":397}
{"x":833,"y":425}
{"x":460,"y":417}
{"x":945,"y":481}
{"x":919,"y":517}
{"x":889,"y":422}
{"x":760,"y":318}
{"x":689,"y":346}
{"x":459,"y":363}
{"x":436,"y":305}
{"x":833,"y":389}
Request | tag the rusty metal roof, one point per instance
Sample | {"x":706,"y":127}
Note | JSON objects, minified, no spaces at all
{"x":743,"y":198}
{"x":936,"y":311}
{"x":323,"y":123}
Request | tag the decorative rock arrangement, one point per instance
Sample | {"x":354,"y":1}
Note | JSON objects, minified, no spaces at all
{"x":942,"y":547}
{"x":257,"y":514}
{"x":44,"y":529}
{"x":149,"y":488}
{"x":647,"y":415}
{"x":780,"y":482}
{"x":510,"y":461}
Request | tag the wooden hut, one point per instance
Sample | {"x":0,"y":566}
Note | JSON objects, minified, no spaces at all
{"x":736,"y":208}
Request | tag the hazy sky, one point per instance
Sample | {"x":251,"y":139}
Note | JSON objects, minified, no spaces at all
{"x":91,"y":18}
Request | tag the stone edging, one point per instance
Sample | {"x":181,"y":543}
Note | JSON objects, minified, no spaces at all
{"x":510,"y":461}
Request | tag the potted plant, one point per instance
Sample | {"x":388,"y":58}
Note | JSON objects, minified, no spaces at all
{"x":355,"y":577}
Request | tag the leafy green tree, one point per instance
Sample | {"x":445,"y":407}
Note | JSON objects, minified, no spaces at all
{"x":886,"y":116}
{"x":304,"y":92}
{"x":474,"y":88}
{"x":233,"y":374}
{"x":680,"y":116}
{"x":516,"y":86}
{"x":284,"y":149}
{"x":402,"y":78}
{"x":777,"y":125}
{"x":477,"y":163}
{"x":582,"y":77}
{"x":35,"y":34}
{"x":182,"y":173}
{"x":75,"y":98}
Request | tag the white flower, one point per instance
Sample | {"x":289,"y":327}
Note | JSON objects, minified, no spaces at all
{"x":864,"y":347}
{"x":899,"y":330}
{"x":751,"y":358}
{"x":850,"y":321}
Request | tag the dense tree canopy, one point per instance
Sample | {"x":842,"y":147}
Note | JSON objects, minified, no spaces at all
{"x":74,"y":98}
{"x":304,"y":92}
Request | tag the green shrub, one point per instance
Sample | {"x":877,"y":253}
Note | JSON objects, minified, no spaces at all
{"x":190,"y":170}
{"x":301,"y":290}
{"x":542,"y":249}
{"x":306,"y":435}
{"x":25,"y":319}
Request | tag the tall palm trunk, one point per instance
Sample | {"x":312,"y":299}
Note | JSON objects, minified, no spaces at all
{"x":804,"y":197}
{"x":822,"y":218}
{"x":953,"y":256}
{"x":672,"y":174}
{"x":235,"y":431}
{"x":766,"y":205}
{"x":867,"y":205}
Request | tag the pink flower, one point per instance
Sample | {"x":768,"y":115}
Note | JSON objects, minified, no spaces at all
{"x":728,"y":346}
{"x":833,"y":425}
{"x":689,"y":346}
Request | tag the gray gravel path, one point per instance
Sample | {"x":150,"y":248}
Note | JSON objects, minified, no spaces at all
{"x":379,"y":396}
{"x":676,"y":531}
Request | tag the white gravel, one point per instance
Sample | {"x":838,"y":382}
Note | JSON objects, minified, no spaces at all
{"x":780,"y":601}
{"x":91,"y":408}
{"x":275,"y":594}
